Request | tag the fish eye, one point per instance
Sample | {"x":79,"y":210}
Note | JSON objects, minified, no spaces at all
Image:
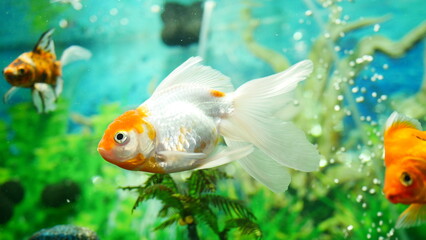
{"x":21,"y":71}
{"x":120,"y":137}
{"x":406,"y":179}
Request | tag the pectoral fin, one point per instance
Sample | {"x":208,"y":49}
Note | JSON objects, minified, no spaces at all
{"x":412,"y":216}
{"x":44,"y":97}
{"x":175,"y":161}
{"x":38,"y":100}
{"x":226,"y":155}
{"x":9,"y":94}
{"x":59,"y":86}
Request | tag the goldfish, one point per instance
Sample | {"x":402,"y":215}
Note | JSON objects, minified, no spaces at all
{"x":405,"y":161}
{"x":180,"y":126}
{"x":41,"y":72}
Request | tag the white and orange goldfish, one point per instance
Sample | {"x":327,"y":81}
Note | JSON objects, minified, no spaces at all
{"x":178,"y":128}
{"x":405,"y":160}
{"x":40,"y":71}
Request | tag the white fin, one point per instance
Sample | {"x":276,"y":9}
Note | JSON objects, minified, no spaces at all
{"x":174,"y":156}
{"x":192,"y":72}
{"x":45,"y":43}
{"x":264,"y":169}
{"x":252,"y":120}
{"x":175,"y":161}
{"x":74,"y":53}
{"x":414,"y":215}
{"x":397,"y":120}
{"x":226,"y":155}
{"x":38,"y":100}
{"x":9,"y":94}
{"x":59,"y":86}
{"x":44,"y":97}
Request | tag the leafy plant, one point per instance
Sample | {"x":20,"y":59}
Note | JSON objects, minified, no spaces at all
{"x":196,"y":202}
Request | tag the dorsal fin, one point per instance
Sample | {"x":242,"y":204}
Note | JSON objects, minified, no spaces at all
{"x":191,"y":71}
{"x":45,"y":43}
{"x":397,"y":120}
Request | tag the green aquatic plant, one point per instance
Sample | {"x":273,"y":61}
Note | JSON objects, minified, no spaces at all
{"x":195,"y":202}
{"x":37,"y":150}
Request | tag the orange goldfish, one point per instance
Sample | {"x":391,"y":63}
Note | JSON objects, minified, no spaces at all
{"x":40,"y":71}
{"x":405,"y":160}
{"x":179,"y":127}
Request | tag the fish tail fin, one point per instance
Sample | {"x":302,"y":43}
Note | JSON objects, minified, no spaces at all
{"x":414,"y":215}
{"x":74,"y":53}
{"x":45,"y":43}
{"x":263,"y":168}
{"x":252,"y":120}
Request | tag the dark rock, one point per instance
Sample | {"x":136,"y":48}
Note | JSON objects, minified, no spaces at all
{"x":65,"y":232}
{"x":6,"y":209}
{"x":59,"y":194}
{"x":181,"y":23}
{"x":13,"y":190}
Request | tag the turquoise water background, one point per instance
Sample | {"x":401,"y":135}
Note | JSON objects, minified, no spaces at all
{"x":129,"y":59}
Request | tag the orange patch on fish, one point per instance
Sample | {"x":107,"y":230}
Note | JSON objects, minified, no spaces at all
{"x":144,"y":112}
{"x":217,"y":94}
{"x":151,"y":165}
{"x":132,"y":164}
{"x":126,"y":122}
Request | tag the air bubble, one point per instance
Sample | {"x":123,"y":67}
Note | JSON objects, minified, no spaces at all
{"x":124,"y":21}
{"x":155,"y":8}
{"x":297,"y":36}
{"x":376,"y":27}
{"x":316,"y":130}
{"x":376,"y":181}
{"x":336,"y":108}
{"x":63,"y":23}
{"x":359,"y":99}
{"x":93,"y":18}
{"x":113,"y":11}
{"x":308,"y":13}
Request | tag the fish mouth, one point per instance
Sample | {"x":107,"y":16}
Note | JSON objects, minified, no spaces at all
{"x":9,"y":74}
{"x":129,"y":164}
{"x":393,"y":198}
{"x":107,"y":155}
